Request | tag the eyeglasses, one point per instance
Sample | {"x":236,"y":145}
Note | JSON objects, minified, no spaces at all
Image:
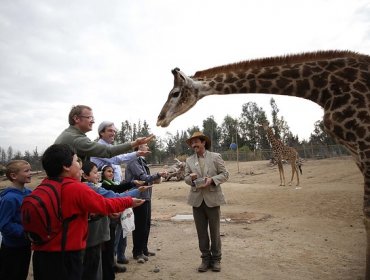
{"x":90,"y":118}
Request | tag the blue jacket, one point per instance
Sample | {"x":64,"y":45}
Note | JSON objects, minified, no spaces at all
{"x":10,"y":217}
{"x":111,"y":194}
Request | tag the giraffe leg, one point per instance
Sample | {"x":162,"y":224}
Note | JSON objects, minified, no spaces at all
{"x":294,"y":170}
{"x":367,"y":223}
{"x":281,"y":173}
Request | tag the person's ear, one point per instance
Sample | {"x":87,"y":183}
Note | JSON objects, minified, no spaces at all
{"x":76,"y":118}
{"x":66,"y":169}
{"x":13,"y":176}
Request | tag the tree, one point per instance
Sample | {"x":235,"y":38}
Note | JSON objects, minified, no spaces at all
{"x":3,"y":156}
{"x":319,"y":136}
{"x":211,"y":129}
{"x":252,"y":135}
{"x":229,"y":132}
{"x":9,"y":153}
{"x":274,"y":115}
{"x":192,"y":129}
{"x":125,"y":134}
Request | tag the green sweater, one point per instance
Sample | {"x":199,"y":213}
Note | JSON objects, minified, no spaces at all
{"x":85,"y":148}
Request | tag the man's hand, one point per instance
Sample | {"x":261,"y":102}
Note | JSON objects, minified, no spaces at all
{"x":142,"y":153}
{"x":114,"y":215}
{"x":143,"y":188}
{"x":142,"y":140}
{"x":137,"y":202}
{"x":163,"y":173}
{"x":208,"y":182}
{"x":193,"y":176}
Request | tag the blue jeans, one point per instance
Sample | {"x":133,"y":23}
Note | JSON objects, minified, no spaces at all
{"x":120,"y":244}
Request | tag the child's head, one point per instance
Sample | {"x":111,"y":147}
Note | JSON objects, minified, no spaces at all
{"x":90,"y":172}
{"x":59,"y":160}
{"x":18,"y":171}
{"x":107,"y":173}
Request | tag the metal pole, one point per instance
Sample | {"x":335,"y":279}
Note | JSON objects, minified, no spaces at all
{"x":237,"y":148}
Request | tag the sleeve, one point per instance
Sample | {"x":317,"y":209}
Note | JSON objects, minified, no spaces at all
{"x":187,"y":178}
{"x":132,"y":193}
{"x":89,"y":201}
{"x":138,"y":173}
{"x":111,"y":194}
{"x":122,"y":187}
{"x":123,"y":158}
{"x":8,"y":226}
{"x":90,"y":148}
{"x":222,"y":173}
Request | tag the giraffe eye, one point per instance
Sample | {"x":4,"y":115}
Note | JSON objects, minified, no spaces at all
{"x":176,"y":94}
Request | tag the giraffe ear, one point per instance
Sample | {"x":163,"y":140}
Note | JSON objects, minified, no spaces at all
{"x":174,"y":71}
{"x":180,"y":78}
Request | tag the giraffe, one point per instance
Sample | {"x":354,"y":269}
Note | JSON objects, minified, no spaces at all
{"x":338,"y":81}
{"x":282,"y":152}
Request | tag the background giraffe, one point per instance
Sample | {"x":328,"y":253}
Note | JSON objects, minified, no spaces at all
{"x":339,"y":81}
{"x":282,"y":152}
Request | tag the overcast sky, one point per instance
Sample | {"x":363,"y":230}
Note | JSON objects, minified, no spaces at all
{"x":117,"y":56}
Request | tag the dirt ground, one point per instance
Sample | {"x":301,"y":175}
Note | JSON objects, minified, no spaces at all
{"x":268,"y":231}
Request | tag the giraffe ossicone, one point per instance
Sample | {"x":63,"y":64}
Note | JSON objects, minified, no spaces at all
{"x":338,"y":81}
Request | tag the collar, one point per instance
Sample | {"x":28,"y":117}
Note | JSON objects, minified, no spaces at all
{"x":203,"y":155}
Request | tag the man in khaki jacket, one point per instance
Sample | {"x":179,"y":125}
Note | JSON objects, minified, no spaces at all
{"x":204,"y":172}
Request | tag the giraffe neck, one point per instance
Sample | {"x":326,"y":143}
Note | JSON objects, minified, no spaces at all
{"x":275,"y":143}
{"x":314,"y":76}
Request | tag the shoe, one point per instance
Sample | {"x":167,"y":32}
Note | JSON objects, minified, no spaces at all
{"x":125,"y":261}
{"x":216,"y":266}
{"x":149,"y":254}
{"x":203,"y":266}
{"x":141,"y":258}
{"x":119,"y":269}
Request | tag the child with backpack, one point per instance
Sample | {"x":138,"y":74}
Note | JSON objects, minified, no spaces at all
{"x":98,"y":231}
{"x":15,"y":251}
{"x":60,"y":257}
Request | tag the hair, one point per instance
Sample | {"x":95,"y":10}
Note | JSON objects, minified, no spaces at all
{"x":76,"y":111}
{"x":55,"y":158}
{"x":14,"y":166}
{"x":88,"y":166}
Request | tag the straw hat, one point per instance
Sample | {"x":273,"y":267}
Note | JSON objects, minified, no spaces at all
{"x":202,"y":137}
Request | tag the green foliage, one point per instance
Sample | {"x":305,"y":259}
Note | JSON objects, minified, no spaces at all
{"x":211,"y":129}
{"x":245,"y":131}
{"x":251,"y":117}
{"x":319,"y":136}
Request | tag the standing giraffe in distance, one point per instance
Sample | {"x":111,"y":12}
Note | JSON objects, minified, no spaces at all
{"x":282,"y":152}
{"x":339,"y":81}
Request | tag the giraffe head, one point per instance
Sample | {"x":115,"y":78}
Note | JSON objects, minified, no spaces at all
{"x":264,"y":125}
{"x":181,"y":98}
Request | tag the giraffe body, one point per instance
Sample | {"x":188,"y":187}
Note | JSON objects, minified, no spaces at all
{"x":282,"y":152}
{"x":339,"y":81}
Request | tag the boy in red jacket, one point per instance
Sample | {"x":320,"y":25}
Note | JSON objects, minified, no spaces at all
{"x":49,"y":261}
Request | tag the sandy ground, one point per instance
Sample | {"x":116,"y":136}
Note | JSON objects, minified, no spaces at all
{"x":268,"y":232}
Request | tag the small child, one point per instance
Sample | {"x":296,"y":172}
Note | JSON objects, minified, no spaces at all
{"x":15,"y":251}
{"x":98,"y":232}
